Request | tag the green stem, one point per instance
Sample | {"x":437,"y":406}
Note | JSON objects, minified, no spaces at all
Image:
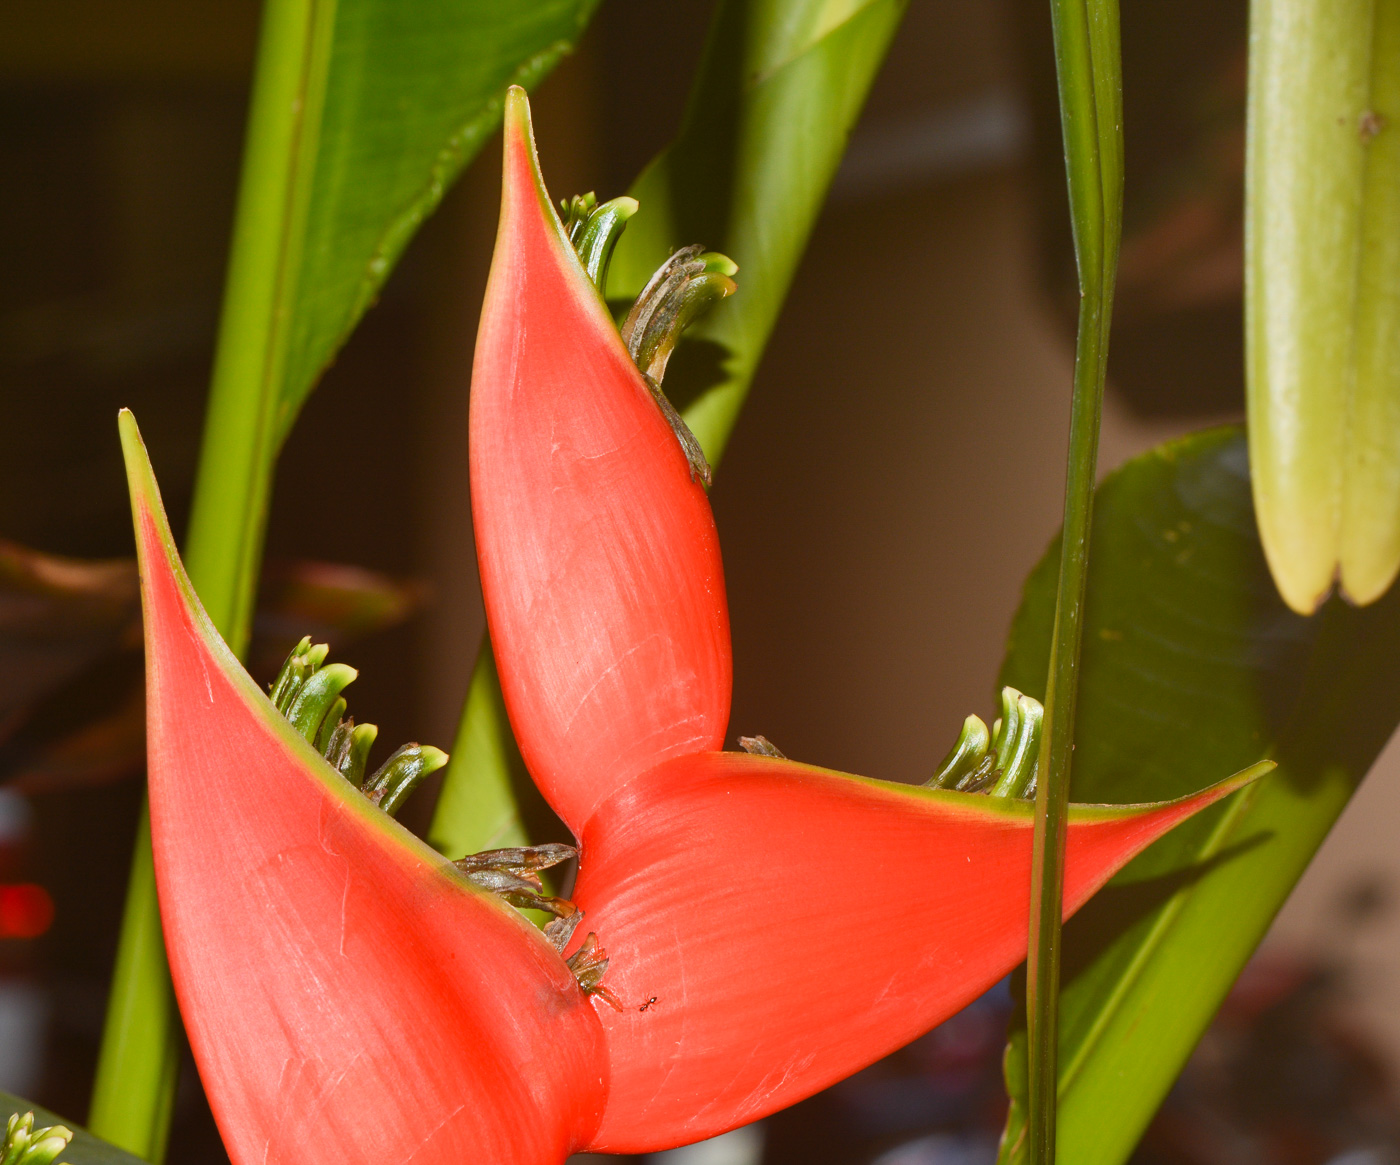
{"x":481,"y":813}
{"x":1089,"y":68}
{"x":137,"y":1065}
{"x":134,"y":1092}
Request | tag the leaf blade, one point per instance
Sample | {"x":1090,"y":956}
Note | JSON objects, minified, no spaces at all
{"x":414,"y":89}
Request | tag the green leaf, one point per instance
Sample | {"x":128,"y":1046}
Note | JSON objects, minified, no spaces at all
{"x":414,"y":87}
{"x":1192,"y":666}
{"x":779,"y":89}
{"x":84,"y":1149}
{"x":363,"y":113}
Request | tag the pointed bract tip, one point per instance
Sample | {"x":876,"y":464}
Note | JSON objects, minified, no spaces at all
{"x":519,"y":129}
{"x":519,"y":146}
{"x":1203,"y":797}
{"x":517,"y":111}
{"x":138,"y":462}
{"x":141,"y":477}
{"x":1232,"y":784}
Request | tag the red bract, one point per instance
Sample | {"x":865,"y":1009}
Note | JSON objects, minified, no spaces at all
{"x":600,"y":566}
{"x":774,"y":927}
{"x":348,"y":995}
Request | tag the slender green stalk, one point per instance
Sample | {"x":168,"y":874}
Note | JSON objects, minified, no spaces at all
{"x":134,"y":1093}
{"x":1089,"y":68}
{"x":223,"y":548}
{"x":138,"y":1062}
{"x":473,"y":815}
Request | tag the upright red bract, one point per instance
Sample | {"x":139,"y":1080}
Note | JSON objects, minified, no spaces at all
{"x":348,"y":995}
{"x":600,"y":565}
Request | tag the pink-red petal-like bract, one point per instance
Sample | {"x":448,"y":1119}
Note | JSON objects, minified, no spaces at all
{"x":772,"y":927}
{"x":600,"y":566}
{"x":348,"y":995}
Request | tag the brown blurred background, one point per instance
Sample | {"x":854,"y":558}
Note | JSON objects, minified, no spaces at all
{"x":895,"y":475}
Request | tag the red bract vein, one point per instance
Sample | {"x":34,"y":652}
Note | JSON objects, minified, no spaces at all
{"x":600,"y":565}
{"x":345,"y":991}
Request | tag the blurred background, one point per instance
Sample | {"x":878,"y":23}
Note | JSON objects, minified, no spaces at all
{"x":897,"y":472}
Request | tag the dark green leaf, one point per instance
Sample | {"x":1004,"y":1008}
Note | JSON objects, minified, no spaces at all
{"x":1192,"y":667}
{"x":413,"y":89}
{"x":779,"y":91}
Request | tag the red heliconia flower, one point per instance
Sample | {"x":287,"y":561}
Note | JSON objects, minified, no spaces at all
{"x":600,"y":565}
{"x":349,"y":996}
{"x":771,"y":927}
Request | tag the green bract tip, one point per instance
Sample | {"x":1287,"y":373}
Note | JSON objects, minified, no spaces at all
{"x":26,"y":1145}
{"x":307,"y":692}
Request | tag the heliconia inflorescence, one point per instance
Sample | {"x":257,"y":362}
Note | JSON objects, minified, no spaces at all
{"x":744,"y":929}
{"x":772,"y":927}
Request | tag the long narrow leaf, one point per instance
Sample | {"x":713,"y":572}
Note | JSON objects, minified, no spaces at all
{"x":1192,"y":664}
{"x":1088,"y":63}
{"x":780,"y":87}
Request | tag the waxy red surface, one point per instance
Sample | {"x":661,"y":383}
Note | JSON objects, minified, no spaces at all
{"x":600,"y":566}
{"x":349,"y":997}
{"x":775,"y":927}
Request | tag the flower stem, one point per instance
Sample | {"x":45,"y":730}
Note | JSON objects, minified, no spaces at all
{"x":1090,"y":81}
{"x":138,"y":1062}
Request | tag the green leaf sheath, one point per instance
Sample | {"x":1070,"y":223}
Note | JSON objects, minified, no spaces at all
{"x":1322,"y":297}
{"x":476,"y":809}
{"x":780,"y":87}
{"x":1192,"y":665}
{"x":133,"y":1093}
{"x":363,"y":111}
{"x":83,"y":1149}
{"x":1089,"y":68}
